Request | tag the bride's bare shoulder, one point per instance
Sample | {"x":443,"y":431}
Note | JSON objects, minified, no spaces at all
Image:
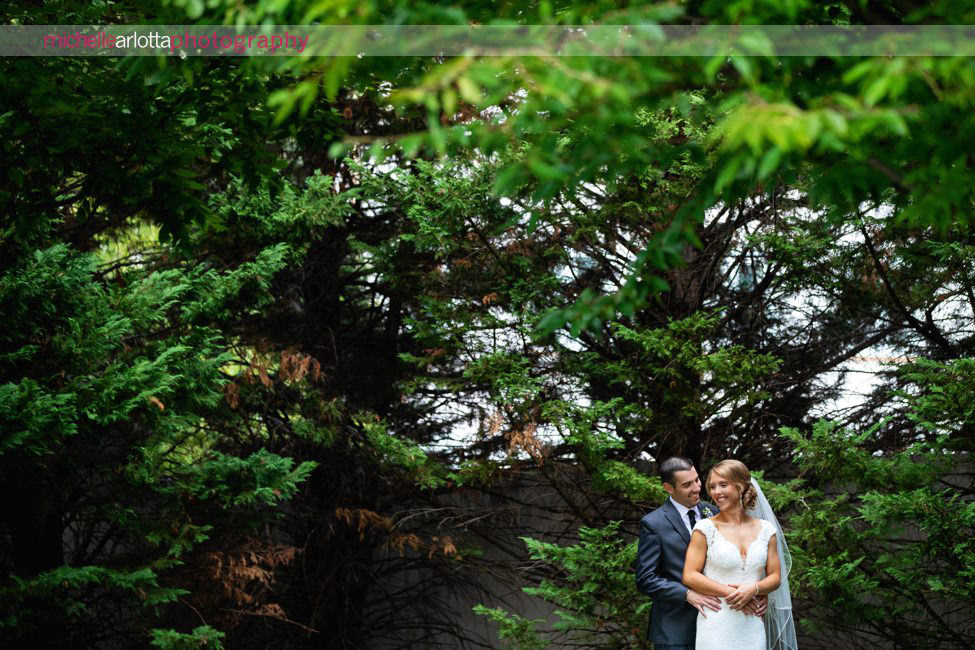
{"x":754,"y":523}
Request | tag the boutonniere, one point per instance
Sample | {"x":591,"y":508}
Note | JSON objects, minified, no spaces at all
{"x":707,"y":511}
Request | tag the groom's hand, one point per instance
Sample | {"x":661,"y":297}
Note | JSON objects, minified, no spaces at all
{"x":757,"y":606}
{"x":700,"y":602}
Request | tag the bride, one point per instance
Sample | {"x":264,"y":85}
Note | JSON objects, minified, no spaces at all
{"x":737,"y":555}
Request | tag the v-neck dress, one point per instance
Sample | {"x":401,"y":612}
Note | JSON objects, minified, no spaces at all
{"x":729,"y":629}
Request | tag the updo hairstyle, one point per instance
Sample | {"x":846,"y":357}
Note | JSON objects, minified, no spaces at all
{"x":736,"y":472}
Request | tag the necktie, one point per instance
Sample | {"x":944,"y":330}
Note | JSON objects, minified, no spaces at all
{"x":692,"y":516}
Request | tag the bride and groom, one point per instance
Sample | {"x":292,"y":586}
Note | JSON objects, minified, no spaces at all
{"x":717,"y":573}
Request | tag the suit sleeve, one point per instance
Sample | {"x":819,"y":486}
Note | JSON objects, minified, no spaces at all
{"x":648,"y":580}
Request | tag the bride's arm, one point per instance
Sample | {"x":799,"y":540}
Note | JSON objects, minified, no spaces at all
{"x":773,"y":576}
{"x":697,"y":552}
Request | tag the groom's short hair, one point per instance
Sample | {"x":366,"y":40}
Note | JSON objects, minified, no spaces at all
{"x":673,"y":464}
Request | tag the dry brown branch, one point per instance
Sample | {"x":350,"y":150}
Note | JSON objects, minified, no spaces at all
{"x":295,"y":366}
{"x":232,"y":393}
{"x":365,"y":521}
{"x":241,"y":580}
{"x":525,"y":440}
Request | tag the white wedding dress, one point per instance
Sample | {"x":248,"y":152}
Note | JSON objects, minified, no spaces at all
{"x":729,"y":629}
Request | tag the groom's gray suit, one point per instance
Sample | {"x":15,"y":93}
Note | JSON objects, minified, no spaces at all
{"x":659,"y":570}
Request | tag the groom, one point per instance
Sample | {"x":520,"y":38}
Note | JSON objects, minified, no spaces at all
{"x":664,"y":536}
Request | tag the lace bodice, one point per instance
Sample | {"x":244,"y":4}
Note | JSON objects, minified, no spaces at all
{"x":724,"y":563}
{"x":729,"y":629}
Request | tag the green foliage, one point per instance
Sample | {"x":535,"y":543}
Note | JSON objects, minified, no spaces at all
{"x":61,"y":587}
{"x":508,"y":375}
{"x":517,"y":632}
{"x":262,"y":478}
{"x":203,"y":636}
{"x":224,"y":291}
{"x":678,"y":354}
{"x":855,"y":129}
{"x":945,"y":400}
{"x":593,"y":595}
{"x":626,"y":481}
{"x":883,"y":541}
{"x":399,"y":454}
{"x":839,"y":454}
{"x":285,"y":219}
{"x":150,"y":135}
{"x":595,"y":447}
{"x":106,"y":385}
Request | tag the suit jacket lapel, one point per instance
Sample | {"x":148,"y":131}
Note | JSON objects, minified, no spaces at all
{"x":675,"y":520}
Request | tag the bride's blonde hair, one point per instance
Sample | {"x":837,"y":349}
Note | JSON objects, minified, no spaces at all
{"x":736,"y":472}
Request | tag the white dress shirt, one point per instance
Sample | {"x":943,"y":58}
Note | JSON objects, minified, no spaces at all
{"x":683,"y":510}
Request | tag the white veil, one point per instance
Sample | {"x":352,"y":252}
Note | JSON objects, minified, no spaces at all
{"x":780,"y":628}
